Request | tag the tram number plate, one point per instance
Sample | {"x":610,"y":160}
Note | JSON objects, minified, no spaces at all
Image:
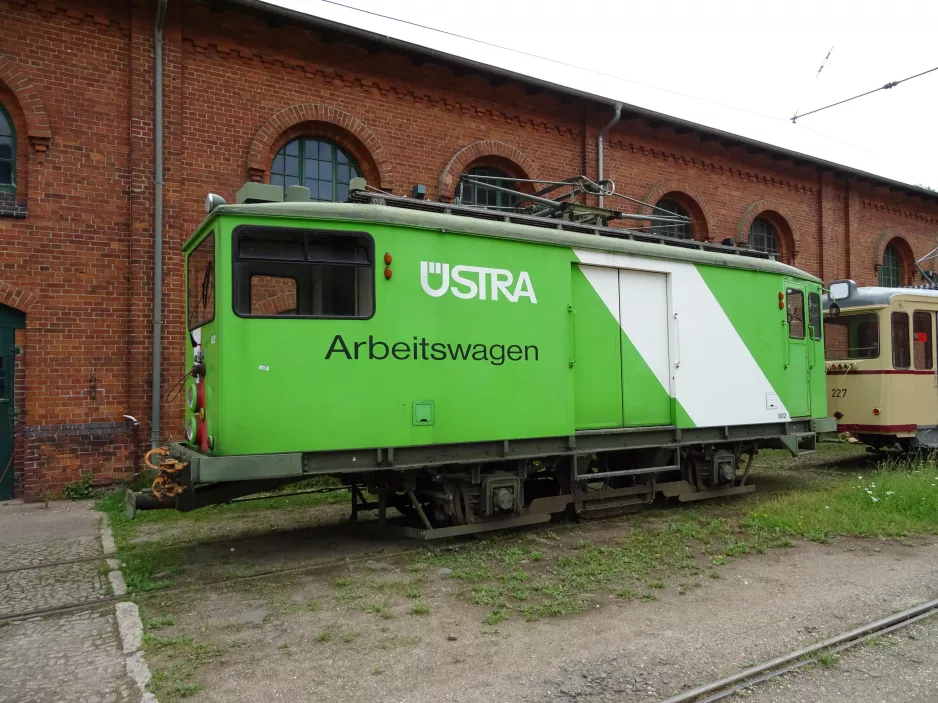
{"x":838,"y":392}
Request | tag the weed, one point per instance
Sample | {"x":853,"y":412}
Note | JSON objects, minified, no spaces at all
{"x":381,"y":609}
{"x":377,"y":671}
{"x":625,"y":593}
{"x":420,"y":609}
{"x":412,"y":592}
{"x":715,"y":575}
{"x":313,"y":605}
{"x":582,"y":544}
{"x":827,"y":659}
{"x":495,"y":617}
{"x":657,"y":583}
{"x":81,"y":489}
{"x":343,"y":582}
{"x":161,"y":622}
{"x":719,"y":560}
{"x":649,"y":596}
{"x":175,"y":662}
{"x":324,"y":636}
{"x":349,"y":637}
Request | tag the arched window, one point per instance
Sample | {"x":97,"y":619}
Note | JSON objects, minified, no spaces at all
{"x":890,"y":273}
{"x":7,"y":152}
{"x":683,"y":231}
{"x":763,"y":236}
{"x":477,"y":194}
{"x":319,"y":165}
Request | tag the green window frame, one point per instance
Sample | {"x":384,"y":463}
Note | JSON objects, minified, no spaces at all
{"x":319,"y":164}
{"x":681,"y":231}
{"x":890,"y":273}
{"x":7,"y":152}
{"x":480,"y":196}
{"x":763,"y":237}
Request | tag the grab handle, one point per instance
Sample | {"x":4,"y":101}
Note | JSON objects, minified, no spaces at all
{"x":572,"y":335}
{"x":786,"y":343}
{"x":677,"y":342}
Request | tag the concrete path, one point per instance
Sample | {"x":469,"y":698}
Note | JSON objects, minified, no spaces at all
{"x":74,"y":657}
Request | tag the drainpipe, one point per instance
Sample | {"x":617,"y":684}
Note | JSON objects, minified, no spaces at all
{"x":599,"y":145}
{"x":157,"y":221}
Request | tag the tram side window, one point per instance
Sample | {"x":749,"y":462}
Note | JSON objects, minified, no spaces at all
{"x":922,"y":351}
{"x":852,"y":336}
{"x":303,"y":273}
{"x":200,"y":283}
{"x":901,"y":358}
{"x":795,"y":301}
{"x":814,"y":316}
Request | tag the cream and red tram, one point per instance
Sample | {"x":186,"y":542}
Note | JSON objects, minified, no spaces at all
{"x":879,"y":355}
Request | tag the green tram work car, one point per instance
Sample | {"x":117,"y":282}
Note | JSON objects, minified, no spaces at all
{"x":476,"y":369}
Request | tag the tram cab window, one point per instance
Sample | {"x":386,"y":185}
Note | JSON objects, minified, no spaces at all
{"x":922,"y":351}
{"x":853,"y":336}
{"x":303,"y":273}
{"x":200,"y":283}
{"x":795,"y":306}
{"x":901,"y":358}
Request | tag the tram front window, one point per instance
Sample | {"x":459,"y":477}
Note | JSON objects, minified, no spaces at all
{"x":852,"y":336}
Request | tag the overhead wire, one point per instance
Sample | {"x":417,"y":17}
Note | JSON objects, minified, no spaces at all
{"x":546,"y":58}
{"x":887,"y":86}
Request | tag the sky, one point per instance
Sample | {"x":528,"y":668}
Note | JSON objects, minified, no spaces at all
{"x":743,"y":67}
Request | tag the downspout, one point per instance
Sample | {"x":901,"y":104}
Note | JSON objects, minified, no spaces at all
{"x":157,"y":222}
{"x":599,"y":146}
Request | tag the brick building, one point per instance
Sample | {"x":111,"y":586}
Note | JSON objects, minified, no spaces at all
{"x":265,"y":95}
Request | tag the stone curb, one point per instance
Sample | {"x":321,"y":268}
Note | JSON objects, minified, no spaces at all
{"x":128,"y":619}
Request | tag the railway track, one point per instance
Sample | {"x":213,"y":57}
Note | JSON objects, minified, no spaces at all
{"x":799,"y":658}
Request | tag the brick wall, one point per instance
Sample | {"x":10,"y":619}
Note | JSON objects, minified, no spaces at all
{"x":77,"y":256}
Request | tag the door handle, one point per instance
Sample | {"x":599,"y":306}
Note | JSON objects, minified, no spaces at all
{"x":572,"y":335}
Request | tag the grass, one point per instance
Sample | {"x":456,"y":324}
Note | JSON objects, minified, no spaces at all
{"x":420,"y":609}
{"x":827,"y":659}
{"x":151,"y":566}
{"x":160,"y":622}
{"x":898,"y":499}
{"x":324,"y":636}
{"x":175,"y":662}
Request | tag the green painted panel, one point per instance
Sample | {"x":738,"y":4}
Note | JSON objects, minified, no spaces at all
{"x":750,"y":301}
{"x":597,"y":372}
{"x":494,"y":369}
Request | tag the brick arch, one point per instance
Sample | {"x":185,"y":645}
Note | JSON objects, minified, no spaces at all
{"x":38,"y":126}
{"x":906,"y":256}
{"x":17,"y":298}
{"x":484,"y":153}
{"x":688,"y":196}
{"x":317,"y":119}
{"x":780,"y":218}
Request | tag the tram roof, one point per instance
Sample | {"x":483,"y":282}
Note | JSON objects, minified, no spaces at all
{"x":486,"y":223}
{"x":871,"y":296}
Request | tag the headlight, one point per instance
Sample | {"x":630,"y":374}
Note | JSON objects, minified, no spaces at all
{"x":192,"y":396}
{"x":190,"y":430}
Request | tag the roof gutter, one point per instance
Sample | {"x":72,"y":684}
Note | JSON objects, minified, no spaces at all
{"x":301,"y":18}
{"x":599,"y":146}
{"x":157,"y":223}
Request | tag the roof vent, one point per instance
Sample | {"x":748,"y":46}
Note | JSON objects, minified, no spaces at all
{"x":251,"y":193}
{"x":297,"y":194}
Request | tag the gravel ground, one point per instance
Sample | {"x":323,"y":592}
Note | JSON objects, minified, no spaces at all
{"x":619,"y":651}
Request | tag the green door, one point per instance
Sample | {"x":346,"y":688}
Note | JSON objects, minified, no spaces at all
{"x":797,"y":397}
{"x":10,"y":320}
{"x":6,"y":413}
{"x":595,"y":347}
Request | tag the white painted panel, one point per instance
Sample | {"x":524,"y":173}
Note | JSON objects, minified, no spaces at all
{"x":643,"y":315}
{"x":605,"y":282}
{"x":718,"y":382}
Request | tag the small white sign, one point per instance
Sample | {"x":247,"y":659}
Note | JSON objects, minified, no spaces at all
{"x":771,"y":401}
{"x":263,"y":368}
